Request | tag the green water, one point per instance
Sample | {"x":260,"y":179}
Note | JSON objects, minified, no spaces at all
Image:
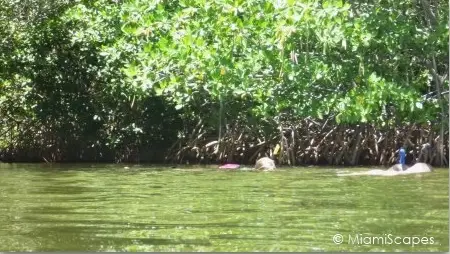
{"x":109,"y":208}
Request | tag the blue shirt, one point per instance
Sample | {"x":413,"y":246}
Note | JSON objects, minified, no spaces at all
{"x":402,"y":153}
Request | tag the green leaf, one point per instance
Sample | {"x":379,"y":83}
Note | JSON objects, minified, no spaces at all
{"x":419,"y":105}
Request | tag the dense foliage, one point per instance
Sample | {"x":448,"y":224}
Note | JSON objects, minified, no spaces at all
{"x":212,"y":80}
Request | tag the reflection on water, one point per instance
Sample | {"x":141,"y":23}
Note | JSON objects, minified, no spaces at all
{"x":108,"y":208}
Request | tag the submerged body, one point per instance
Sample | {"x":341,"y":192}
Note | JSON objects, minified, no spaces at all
{"x":265,"y":163}
{"x":419,"y":167}
{"x":397,"y":169}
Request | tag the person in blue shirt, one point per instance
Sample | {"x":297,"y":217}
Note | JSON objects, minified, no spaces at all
{"x":402,"y":156}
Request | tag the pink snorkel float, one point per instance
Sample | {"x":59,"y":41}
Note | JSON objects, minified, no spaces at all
{"x":230,"y":166}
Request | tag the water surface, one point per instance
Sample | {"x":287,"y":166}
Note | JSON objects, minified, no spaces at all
{"x":109,"y":208}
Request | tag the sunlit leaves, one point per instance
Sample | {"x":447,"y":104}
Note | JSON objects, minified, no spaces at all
{"x":368,"y":103}
{"x":358,"y":62}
